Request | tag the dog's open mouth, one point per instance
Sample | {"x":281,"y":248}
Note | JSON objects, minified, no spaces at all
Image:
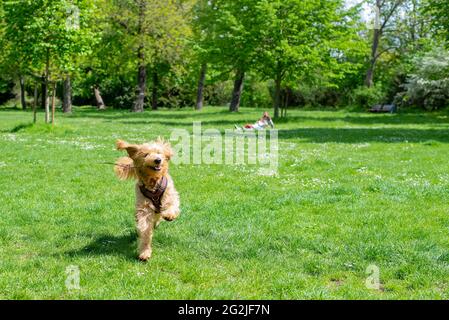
{"x":157,"y":168}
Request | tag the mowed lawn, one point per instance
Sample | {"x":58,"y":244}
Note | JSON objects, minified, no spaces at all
{"x":354,"y":190}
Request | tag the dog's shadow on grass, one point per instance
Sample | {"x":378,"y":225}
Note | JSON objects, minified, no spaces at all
{"x":123,"y":245}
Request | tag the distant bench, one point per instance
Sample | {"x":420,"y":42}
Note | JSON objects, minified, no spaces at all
{"x":391,"y":108}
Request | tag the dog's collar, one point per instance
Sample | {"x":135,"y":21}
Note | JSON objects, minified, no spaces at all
{"x":156,"y":195}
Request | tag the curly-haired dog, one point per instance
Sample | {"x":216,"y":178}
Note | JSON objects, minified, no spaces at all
{"x":156,"y":196}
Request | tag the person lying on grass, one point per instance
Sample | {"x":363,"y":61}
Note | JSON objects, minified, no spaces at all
{"x":261,"y":124}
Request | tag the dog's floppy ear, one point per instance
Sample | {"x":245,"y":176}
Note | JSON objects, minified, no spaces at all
{"x":132,"y":149}
{"x":124,"y":168}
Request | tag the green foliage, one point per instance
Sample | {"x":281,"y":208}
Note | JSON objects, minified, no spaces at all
{"x":367,"y":97}
{"x":6,"y":87}
{"x":308,"y":37}
{"x":286,"y":40}
{"x":226,"y":32}
{"x":300,"y":38}
{"x":161,"y":30}
{"x":217,"y":94}
{"x":42,"y":30}
{"x":316,"y":50}
{"x":438,"y":12}
{"x":256,"y":93}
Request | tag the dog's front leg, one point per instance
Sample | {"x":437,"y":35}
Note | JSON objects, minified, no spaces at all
{"x":145,"y":226}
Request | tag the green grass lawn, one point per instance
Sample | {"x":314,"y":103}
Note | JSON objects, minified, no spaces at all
{"x":353,"y":190}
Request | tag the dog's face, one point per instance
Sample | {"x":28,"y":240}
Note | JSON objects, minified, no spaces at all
{"x":150,"y":159}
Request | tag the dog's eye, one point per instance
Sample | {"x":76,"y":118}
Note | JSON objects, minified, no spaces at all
{"x":145,"y":155}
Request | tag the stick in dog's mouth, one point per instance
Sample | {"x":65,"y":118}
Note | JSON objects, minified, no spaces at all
{"x":156,"y":168}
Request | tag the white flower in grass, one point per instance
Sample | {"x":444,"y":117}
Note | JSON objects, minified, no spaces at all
{"x":362,"y":170}
{"x":13,"y":137}
{"x":267,"y":172}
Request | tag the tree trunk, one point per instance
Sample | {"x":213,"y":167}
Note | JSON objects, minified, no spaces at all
{"x":370,"y":75}
{"x":369,"y":79}
{"x":237,"y":92}
{"x":22,"y":93}
{"x":370,"y":72}
{"x":201,"y":81}
{"x":35,"y":103}
{"x":45,"y":92}
{"x":141,"y":81}
{"x":67,"y":100}
{"x":53,"y":110}
{"x":100,"y":103}
{"x":277,"y":95}
{"x":285,"y":98}
{"x":141,"y":70}
{"x":47,"y":105}
{"x":155,"y":86}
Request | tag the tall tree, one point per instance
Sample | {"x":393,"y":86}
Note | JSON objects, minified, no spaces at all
{"x":200,"y":91}
{"x":384,"y":11}
{"x":142,"y":63}
{"x":46,"y":36}
{"x":201,"y":36}
{"x":22,"y":92}
{"x":228,"y":34}
{"x":10,"y":60}
{"x":156,"y":30}
{"x":299,"y":39}
{"x":67,"y":95}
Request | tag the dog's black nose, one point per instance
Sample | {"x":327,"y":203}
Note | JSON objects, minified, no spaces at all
{"x":157,"y":161}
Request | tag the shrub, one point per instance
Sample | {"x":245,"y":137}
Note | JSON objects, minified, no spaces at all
{"x":219,"y":93}
{"x":428,"y":85}
{"x":256,"y":94}
{"x":367,"y":97}
{"x":6,"y":90}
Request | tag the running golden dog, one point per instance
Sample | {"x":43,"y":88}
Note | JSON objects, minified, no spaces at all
{"x":156,"y":196}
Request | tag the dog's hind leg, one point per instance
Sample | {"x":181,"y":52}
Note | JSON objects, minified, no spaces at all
{"x":145,"y":226}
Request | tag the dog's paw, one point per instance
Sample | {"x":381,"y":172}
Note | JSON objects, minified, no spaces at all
{"x":145,"y":256}
{"x":169,"y":216}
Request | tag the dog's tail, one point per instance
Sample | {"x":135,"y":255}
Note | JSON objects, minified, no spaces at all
{"x":124,"y":168}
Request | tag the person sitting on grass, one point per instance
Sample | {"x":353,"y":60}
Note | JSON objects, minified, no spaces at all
{"x":261,"y":124}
